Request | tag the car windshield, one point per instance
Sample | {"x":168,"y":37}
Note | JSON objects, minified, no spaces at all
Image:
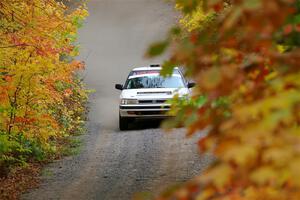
{"x":154,"y":81}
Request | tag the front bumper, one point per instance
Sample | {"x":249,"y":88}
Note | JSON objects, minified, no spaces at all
{"x":145,"y":111}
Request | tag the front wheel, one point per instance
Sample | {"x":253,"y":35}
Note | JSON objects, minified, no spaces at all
{"x":123,"y":123}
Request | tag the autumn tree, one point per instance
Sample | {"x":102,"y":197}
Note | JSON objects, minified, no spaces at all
{"x":41,"y":97}
{"x":244,"y":56}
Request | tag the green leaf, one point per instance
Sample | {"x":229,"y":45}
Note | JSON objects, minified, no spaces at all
{"x":167,"y":68}
{"x":297,"y":19}
{"x":252,"y":4}
{"x":2,"y":110}
{"x":191,"y":119}
{"x":188,"y":6}
{"x":143,"y":196}
{"x":200,"y":101}
{"x":176,"y":31}
{"x":157,"y":48}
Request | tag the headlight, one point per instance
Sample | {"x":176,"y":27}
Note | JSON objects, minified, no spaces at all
{"x":129,"y":101}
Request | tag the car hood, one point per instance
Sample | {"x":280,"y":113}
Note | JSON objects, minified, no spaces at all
{"x":153,"y":93}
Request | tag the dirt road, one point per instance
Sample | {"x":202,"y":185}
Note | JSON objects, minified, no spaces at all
{"x":115,"y":165}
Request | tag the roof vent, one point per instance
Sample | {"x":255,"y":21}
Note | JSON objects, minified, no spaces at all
{"x":155,"y":65}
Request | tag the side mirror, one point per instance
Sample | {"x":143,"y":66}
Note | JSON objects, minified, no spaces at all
{"x":191,"y":84}
{"x":119,"y":86}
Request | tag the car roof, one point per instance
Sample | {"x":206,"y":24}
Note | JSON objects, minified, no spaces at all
{"x":146,"y":68}
{"x":151,"y":67}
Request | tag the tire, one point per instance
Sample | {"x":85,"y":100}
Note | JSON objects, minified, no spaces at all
{"x":123,"y":123}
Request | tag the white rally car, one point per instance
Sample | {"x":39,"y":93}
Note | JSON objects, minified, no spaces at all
{"x":146,"y":94}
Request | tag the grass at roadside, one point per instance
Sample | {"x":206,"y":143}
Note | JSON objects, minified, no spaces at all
{"x":22,"y":178}
{"x":71,"y":147}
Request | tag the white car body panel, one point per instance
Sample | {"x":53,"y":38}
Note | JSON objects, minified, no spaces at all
{"x":158,"y":105}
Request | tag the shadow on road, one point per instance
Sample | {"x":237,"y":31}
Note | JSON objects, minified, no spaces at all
{"x":145,"y":124}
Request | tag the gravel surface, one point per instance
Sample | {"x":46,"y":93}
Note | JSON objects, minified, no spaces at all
{"x":115,"y":165}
